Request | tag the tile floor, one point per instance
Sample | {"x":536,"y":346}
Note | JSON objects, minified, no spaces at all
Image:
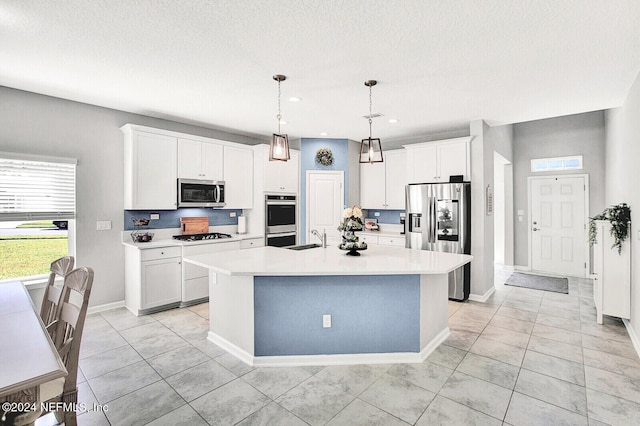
{"x":525,"y":357}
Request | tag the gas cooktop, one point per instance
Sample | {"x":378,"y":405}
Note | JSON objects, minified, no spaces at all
{"x":198,"y":237}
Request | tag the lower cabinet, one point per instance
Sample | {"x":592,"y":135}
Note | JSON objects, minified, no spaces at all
{"x":383,"y":240}
{"x":195,"y":288}
{"x":612,"y":275}
{"x":153,"y":278}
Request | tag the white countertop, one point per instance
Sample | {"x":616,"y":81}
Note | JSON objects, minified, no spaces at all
{"x":170,"y":242}
{"x":376,"y":260}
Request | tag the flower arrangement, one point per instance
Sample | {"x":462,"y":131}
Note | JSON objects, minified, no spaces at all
{"x":351,"y":221}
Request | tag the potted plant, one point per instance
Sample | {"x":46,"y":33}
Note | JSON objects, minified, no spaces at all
{"x":619,"y":216}
{"x":351,"y":221}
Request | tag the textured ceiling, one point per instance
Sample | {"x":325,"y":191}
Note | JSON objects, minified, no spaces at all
{"x":439,"y":64}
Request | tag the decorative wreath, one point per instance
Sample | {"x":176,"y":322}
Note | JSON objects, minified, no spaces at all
{"x":324,"y":156}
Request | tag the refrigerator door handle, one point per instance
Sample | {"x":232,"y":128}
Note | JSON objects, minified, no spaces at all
{"x":434,"y":219}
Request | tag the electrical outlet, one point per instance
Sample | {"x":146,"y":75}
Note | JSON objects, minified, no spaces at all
{"x":326,"y":321}
{"x":232,"y":214}
{"x":376,"y":214}
{"x":154,"y":216}
{"x":103,"y":225}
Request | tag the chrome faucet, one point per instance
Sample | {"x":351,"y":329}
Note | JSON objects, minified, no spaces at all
{"x":323,"y":237}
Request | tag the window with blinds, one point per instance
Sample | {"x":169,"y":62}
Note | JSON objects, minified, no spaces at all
{"x":32,"y":189}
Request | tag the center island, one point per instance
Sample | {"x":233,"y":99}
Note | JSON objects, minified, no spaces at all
{"x":273,"y":306}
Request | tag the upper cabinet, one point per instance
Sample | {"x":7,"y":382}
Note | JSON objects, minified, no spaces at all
{"x":279,"y":176}
{"x":436,"y":161}
{"x":154,"y":159}
{"x":199,"y":160}
{"x":150,"y":162}
{"x":382,"y":184}
{"x":238,"y":177}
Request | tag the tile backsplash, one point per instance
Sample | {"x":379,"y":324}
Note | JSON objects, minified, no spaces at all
{"x":171,"y":218}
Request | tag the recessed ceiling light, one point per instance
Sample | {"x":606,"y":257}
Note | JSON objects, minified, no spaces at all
{"x":295,"y":99}
{"x":324,"y":134}
{"x":393,"y":120}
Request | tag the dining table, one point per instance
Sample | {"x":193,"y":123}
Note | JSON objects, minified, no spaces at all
{"x":28,"y":357}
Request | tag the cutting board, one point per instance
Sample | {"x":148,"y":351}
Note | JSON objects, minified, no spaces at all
{"x":194,"y":225}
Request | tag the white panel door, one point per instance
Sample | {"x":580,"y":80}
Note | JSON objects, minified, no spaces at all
{"x":325,"y":201}
{"x":558,"y":225}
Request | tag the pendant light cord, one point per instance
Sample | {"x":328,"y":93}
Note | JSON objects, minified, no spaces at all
{"x":279,"y":116}
{"x":370,"y":112}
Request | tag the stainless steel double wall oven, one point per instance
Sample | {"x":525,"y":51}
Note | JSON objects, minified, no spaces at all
{"x":281,"y":212}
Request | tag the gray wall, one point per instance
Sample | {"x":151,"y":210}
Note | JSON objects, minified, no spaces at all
{"x":43,"y":125}
{"x":579,"y":134}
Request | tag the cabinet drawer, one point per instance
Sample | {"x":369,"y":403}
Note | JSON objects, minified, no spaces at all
{"x":254,"y":242}
{"x":160,"y":253}
{"x":391,"y":241}
{"x":369,"y":239}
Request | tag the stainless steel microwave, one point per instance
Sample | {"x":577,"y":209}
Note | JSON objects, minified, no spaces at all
{"x":200,"y":193}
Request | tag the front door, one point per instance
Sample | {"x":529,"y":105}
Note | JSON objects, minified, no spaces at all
{"x":558,"y":218}
{"x":325,"y":201}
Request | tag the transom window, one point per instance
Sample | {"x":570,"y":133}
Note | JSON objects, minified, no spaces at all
{"x":554,"y":164}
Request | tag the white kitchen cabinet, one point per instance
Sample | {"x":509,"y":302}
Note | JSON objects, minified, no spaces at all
{"x":252,"y":243}
{"x":435,"y":161}
{"x":398,"y":241}
{"x":612,"y":275}
{"x":195,"y":279}
{"x":238,"y":177}
{"x":199,"y":160}
{"x":382,"y":185}
{"x":280,"y":176}
{"x":150,"y":161}
{"x":153,"y":279}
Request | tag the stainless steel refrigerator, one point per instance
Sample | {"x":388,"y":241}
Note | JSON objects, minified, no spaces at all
{"x":438,"y":218}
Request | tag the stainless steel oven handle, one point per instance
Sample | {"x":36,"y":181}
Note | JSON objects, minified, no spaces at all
{"x":280,"y":203}
{"x":282,"y":234}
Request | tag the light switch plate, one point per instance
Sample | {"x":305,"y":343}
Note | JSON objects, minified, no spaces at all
{"x":103,"y":225}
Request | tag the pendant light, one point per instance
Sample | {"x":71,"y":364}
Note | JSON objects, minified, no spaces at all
{"x":279,"y":147}
{"x":370,"y":148}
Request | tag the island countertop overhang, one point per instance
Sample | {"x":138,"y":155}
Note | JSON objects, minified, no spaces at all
{"x":377,"y":260}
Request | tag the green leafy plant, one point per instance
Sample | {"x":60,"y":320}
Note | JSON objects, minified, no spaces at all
{"x":619,"y":217}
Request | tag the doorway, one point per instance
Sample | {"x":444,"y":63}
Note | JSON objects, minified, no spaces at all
{"x":558,"y":212}
{"x":325,"y":201}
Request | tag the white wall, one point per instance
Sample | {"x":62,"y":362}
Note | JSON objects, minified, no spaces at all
{"x":43,"y":125}
{"x":622,"y":177}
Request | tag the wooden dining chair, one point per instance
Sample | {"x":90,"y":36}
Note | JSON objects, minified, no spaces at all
{"x":59,"y":268}
{"x":66,"y":331}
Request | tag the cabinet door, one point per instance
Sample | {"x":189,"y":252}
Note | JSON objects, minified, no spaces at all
{"x":161,"y":282}
{"x":189,"y":164}
{"x":372,"y":185}
{"x":290,"y":177}
{"x":452,"y":160}
{"x":238,"y":177}
{"x":212,"y":161}
{"x":423,"y":164}
{"x":281,"y":176}
{"x":154,"y":172}
{"x":396,"y":179}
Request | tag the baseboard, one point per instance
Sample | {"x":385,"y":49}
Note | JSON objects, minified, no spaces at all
{"x":333,"y":359}
{"x":484,"y":297}
{"x":521,"y":268}
{"x":632,"y":334}
{"x":105,"y":307}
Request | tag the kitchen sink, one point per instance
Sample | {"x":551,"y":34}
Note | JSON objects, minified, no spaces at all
{"x":304,"y":247}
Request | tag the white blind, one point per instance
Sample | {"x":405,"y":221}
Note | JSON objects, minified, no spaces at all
{"x":34,"y":189}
